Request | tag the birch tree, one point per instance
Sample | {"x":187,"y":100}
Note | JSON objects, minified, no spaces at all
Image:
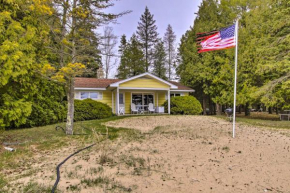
{"x":169,"y":42}
{"x":109,"y":42}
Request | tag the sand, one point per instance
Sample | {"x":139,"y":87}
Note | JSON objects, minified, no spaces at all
{"x":175,"y":154}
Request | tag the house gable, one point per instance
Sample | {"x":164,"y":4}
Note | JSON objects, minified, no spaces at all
{"x":145,"y":80}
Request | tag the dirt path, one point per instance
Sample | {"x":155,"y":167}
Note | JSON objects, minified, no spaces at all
{"x":179,"y":154}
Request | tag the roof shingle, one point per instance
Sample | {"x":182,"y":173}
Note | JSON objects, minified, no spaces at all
{"x":180,"y":86}
{"x":93,"y":82}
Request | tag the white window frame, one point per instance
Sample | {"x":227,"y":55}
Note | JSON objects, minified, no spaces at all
{"x":100,"y":95}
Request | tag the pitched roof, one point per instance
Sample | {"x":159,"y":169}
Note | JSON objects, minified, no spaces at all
{"x":81,"y":82}
{"x":180,"y":86}
{"x":93,"y":82}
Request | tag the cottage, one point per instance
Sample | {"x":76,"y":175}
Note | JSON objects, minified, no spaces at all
{"x":139,"y":91}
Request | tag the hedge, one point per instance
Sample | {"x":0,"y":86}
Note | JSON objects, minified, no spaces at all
{"x":89,"y":109}
{"x":183,"y":105}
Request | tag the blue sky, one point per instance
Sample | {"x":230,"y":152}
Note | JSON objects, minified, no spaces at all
{"x":178,"y":13}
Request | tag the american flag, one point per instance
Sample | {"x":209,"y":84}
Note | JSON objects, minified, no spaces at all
{"x":217,"y":40}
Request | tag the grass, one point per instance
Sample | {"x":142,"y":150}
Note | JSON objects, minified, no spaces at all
{"x":40,"y":140}
{"x":261,"y":119}
{"x":103,"y":181}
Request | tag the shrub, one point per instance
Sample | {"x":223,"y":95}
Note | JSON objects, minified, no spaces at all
{"x":184,"y":105}
{"x":89,"y":109}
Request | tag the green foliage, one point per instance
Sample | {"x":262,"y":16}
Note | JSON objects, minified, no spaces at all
{"x":21,"y":55}
{"x":263,"y":57}
{"x":147,"y":35}
{"x":132,"y":59}
{"x":89,"y":109}
{"x":48,"y":106}
{"x":183,"y":105}
{"x":159,"y":57}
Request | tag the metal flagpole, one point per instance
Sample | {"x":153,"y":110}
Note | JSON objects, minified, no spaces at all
{"x":236,"y":70}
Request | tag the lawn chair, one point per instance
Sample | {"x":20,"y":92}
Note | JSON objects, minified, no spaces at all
{"x":121,"y":109}
{"x":133,"y":108}
{"x":151,"y":108}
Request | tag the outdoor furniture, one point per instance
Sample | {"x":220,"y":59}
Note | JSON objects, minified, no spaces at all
{"x":121,"y":109}
{"x":287,"y":114}
{"x":151,"y":108}
{"x":133,"y":108}
{"x":159,"y":109}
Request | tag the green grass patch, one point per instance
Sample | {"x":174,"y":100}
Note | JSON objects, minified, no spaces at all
{"x":262,"y":120}
{"x":47,"y":138}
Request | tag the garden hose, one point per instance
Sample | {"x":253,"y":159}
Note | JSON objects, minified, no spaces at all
{"x":59,"y":165}
{"x":59,"y":127}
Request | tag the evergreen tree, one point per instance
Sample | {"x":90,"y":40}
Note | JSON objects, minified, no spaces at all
{"x":132,"y":60}
{"x":76,"y":39}
{"x":263,"y":62}
{"x":22,"y":42}
{"x":159,"y":57}
{"x":147,"y":35}
{"x":123,"y":44}
{"x":169,"y":41}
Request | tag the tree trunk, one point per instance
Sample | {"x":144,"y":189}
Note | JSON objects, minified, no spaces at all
{"x":270,"y":110}
{"x":210,"y":105}
{"x":219,"y":109}
{"x":277,"y":111}
{"x":63,"y":32}
{"x":204,"y":104}
{"x":247,"y":110}
{"x":70,"y":107}
{"x":214,"y":109}
{"x":240,"y":109}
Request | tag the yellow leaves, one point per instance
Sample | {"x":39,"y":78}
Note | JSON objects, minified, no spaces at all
{"x":67,"y":72}
{"x":72,"y":69}
{"x":59,"y":78}
{"x":80,"y":12}
{"x":47,"y":69}
{"x":41,"y":6}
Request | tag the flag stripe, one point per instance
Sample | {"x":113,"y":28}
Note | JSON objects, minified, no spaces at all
{"x":223,"y":39}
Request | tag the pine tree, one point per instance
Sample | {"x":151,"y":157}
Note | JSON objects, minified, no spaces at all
{"x":147,"y":35}
{"x":132,"y":60}
{"x":123,"y":44}
{"x":169,"y":41}
{"x":159,"y":57}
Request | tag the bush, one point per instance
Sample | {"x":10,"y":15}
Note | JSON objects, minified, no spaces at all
{"x":184,"y":105}
{"x":89,"y":109}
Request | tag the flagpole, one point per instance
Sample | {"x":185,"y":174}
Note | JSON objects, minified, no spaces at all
{"x":236,"y":71}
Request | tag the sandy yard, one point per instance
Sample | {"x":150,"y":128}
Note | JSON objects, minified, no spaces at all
{"x":173,"y":154}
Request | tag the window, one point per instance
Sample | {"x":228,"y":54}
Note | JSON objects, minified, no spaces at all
{"x":91,"y":95}
{"x":142,"y":100}
{"x":121,"y":98}
{"x":176,"y":94}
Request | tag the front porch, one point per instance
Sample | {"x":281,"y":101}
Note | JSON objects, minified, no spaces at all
{"x":139,"y":102}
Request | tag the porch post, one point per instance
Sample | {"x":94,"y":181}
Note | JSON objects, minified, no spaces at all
{"x":168,"y":101}
{"x":117,"y":109}
{"x":112,"y":101}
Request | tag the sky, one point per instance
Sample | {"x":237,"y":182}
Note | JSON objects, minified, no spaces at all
{"x":178,"y":13}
